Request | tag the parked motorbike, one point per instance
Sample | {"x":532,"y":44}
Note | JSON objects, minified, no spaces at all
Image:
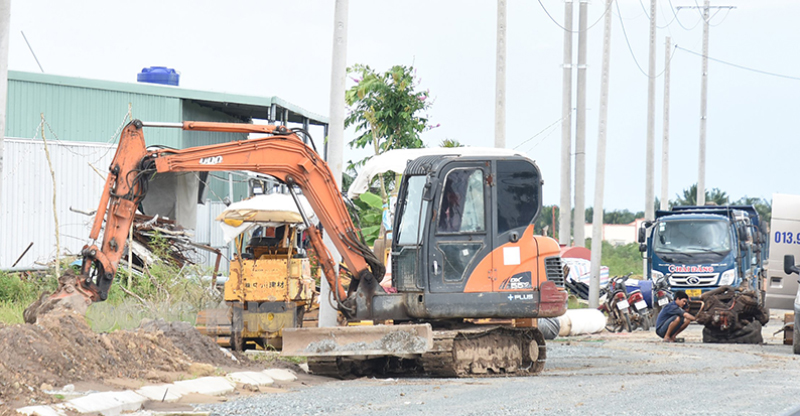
{"x":614,"y":302}
{"x":662,"y":294}
{"x":641,"y":314}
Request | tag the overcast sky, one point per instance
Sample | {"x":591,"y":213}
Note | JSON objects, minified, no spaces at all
{"x":283,"y":48}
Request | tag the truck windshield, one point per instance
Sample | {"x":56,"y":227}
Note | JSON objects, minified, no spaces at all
{"x":413,"y":212}
{"x":707,"y":239}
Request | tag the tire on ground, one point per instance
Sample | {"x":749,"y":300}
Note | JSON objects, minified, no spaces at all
{"x":750,"y":334}
{"x":549,"y":327}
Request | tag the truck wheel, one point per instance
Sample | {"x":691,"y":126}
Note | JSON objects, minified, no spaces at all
{"x":796,"y":334}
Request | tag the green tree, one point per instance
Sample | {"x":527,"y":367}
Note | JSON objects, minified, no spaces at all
{"x":544,"y":223}
{"x":450,"y":143}
{"x":386,"y":111}
{"x":762,"y":206}
{"x":713,"y":196}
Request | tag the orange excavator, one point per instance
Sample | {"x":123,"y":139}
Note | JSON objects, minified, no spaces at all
{"x":463,"y":254}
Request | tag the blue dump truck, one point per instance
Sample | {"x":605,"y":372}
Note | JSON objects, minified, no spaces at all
{"x":700,"y":248}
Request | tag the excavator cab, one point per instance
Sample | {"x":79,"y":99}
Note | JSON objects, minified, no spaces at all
{"x":463,"y":250}
{"x":464,"y":242}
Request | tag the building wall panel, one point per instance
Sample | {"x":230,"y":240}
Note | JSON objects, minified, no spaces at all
{"x":26,"y":203}
{"x":86,"y":114}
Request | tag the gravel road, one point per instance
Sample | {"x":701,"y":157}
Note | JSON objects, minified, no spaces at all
{"x":604,"y":374}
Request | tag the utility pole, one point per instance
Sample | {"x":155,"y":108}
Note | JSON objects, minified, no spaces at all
{"x":599,"y":184}
{"x":649,"y":187}
{"x":565,"y":216}
{"x":701,"y":170}
{"x":580,"y":131}
{"x":665,"y":142}
{"x":335,"y":154}
{"x":5,"y":18}
{"x":500,"y":80}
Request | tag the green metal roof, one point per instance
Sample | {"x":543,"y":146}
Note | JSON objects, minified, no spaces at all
{"x":239,"y":106}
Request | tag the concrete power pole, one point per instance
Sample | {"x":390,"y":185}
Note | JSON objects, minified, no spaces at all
{"x":500,"y":81}
{"x":701,"y":171}
{"x":327,"y":315}
{"x":565,"y":216}
{"x":580,"y":131}
{"x":5,"y":19}
{"x":599,"y":184}
{"x":665,"y":142}
{"x":649,"y":188}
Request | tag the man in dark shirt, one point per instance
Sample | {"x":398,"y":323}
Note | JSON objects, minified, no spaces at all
{"x":673,"y":319}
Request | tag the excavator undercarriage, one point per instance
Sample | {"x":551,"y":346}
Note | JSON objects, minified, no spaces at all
{"x":468,"y":351}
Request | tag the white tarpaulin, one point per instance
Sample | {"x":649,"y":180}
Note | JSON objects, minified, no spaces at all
{"x":271,"y":210}
{"x":396,"y":161}
{"x":580,"y":270}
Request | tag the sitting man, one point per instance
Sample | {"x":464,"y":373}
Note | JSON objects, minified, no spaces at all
{"x":673,"y":319}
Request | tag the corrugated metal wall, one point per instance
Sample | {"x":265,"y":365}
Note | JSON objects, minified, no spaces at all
{"x":217,"y":181}
{"x":86,"y":114}
{"x":27,"y":199}
{"x":27,"y":202}
{"x":209,"y":233}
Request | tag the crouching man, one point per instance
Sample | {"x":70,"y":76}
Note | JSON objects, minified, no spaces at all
{"x":673,"y":319}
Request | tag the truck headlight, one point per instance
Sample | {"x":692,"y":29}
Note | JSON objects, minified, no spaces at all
{"x":655,"y":275}
{"x":727,"y":277}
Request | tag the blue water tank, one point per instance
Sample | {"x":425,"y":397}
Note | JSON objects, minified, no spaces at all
{"x":159,"y":75}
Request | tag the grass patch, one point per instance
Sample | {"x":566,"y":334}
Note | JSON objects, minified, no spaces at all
{"x":574,"y":303}
{"x":269,"y":357}
{"x":11,"y":312}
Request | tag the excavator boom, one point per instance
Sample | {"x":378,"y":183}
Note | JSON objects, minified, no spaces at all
{"x":282,"y":155}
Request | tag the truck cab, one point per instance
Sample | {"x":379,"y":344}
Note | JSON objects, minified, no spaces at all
{"x":702,"y":248}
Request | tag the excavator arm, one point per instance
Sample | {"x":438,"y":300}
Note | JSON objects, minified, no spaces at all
{"x":282,"y":155}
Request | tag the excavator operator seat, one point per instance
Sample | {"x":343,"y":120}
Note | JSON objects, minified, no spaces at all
{"x":267,"y":241}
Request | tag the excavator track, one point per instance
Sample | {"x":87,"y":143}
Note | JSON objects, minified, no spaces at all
{"x":496,"y":351}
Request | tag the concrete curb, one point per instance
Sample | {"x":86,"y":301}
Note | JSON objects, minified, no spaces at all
{"x":112,"y":403}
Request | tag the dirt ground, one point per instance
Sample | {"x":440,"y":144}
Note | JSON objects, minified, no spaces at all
{"x":61,"y":349}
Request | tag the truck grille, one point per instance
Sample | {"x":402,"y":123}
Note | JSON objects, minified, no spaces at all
{"x":404,"y":270}
{"x":554,"y":270}
{"x":708,"y":279}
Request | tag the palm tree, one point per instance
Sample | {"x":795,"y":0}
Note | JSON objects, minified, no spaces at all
{"x":450,"y":143}
{"x":713,"y":197}
{"x":762,"y":206}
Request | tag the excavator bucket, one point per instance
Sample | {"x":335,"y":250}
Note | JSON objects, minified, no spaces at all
{"x":378,"y":340}
{"x":68,"y":296}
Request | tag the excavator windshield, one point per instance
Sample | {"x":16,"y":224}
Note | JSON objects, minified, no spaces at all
{"x":412,"y":212}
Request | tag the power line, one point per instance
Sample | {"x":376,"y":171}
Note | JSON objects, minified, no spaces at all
{"x":648,"y":17}
{"x":540,"y":133}
{"x":739,"y":66}
{"x":630,"y":49}
{"x":572,"y":31}
{"x":679,"y":20}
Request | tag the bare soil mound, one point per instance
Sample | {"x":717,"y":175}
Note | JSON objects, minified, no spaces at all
{"x":198,"y":347}
{"x":61,"y":349}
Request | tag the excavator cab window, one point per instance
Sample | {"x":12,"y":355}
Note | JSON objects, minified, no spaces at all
{"x":518,"y":194}
{"x":413,"y":213}
{"x":461,"y":209}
